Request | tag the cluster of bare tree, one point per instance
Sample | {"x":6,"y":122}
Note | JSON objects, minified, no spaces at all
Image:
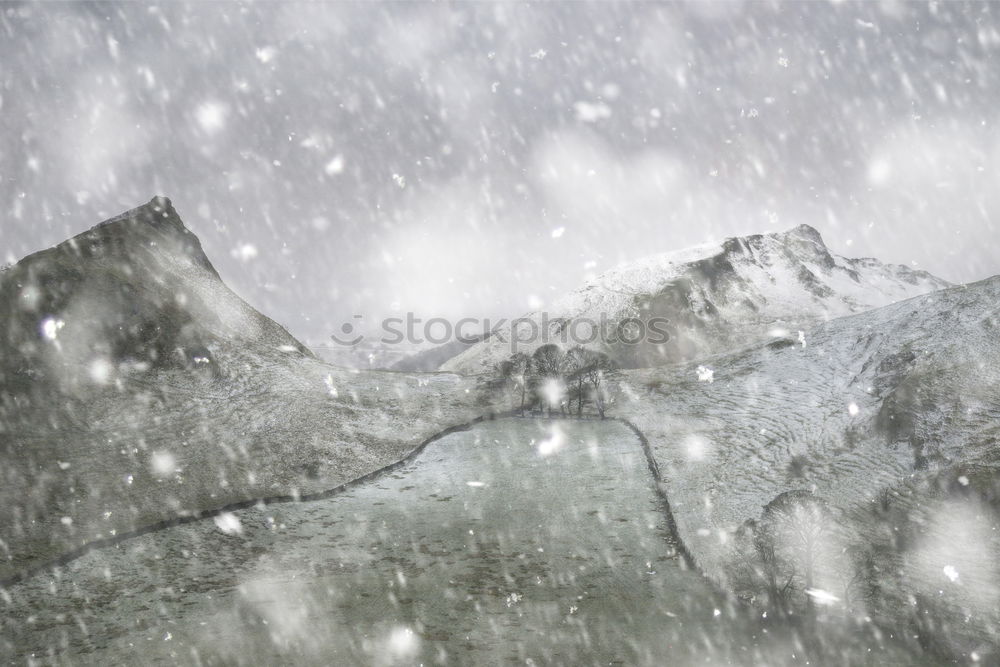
{"x":551,"y":380}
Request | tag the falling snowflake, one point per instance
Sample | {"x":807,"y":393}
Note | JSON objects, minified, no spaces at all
{"x":163,"y":464}
{"x":588,"y":112}
{"x":335,"y":166}
{"x":266,"y":54}
{"x":822,"y":597}
{"x":229,"y":523}
{"x":50,"y":328}
{"x":211,"y":116}
{"x":244,"y":252}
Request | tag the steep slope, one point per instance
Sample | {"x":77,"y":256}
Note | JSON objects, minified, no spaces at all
{"x":133,"y":293}
{"x":432,"y":358}
{"x":875,"y":416}
{"x":717,"y":298}
{"x":135,"y":386}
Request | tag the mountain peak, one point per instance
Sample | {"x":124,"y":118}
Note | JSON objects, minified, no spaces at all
{"x":791,"y":238}
{"x":154,"y":212}
{"x":805,"y":231}
{"x":798,"y":232}
{"x":134,"y":289}
{"x":154,"y":225}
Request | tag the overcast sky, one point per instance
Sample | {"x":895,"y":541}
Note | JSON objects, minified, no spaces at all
{"x":472,"y":159}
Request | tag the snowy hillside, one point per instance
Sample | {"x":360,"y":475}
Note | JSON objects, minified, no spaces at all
{"x":889,"y":417}
{"x":135,"y":386}
{"x":722,"y":297}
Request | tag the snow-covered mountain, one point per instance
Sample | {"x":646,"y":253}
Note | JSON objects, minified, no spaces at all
{"x":890,"y":418}
{"x":719,"y":297}
{"x":135,"y":386}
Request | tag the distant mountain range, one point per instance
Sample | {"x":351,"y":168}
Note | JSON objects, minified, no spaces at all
{"x":720,"y":297}
{"x":433,"y":358}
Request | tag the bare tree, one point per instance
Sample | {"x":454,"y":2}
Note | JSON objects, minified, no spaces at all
{"x":598,"y":373}
{"x":794,"y":555}
{"x":519,"y":369}
{"x":575,"y":364}
{"x":805,"y":537}
{"x":509,"y":380}
{"x":547,"y":362}
{"x":757,"y":571}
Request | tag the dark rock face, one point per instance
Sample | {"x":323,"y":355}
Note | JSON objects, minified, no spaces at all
{"x":117,"y":295}
{"x":152,"y":222}
{"x":94,"y":331}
